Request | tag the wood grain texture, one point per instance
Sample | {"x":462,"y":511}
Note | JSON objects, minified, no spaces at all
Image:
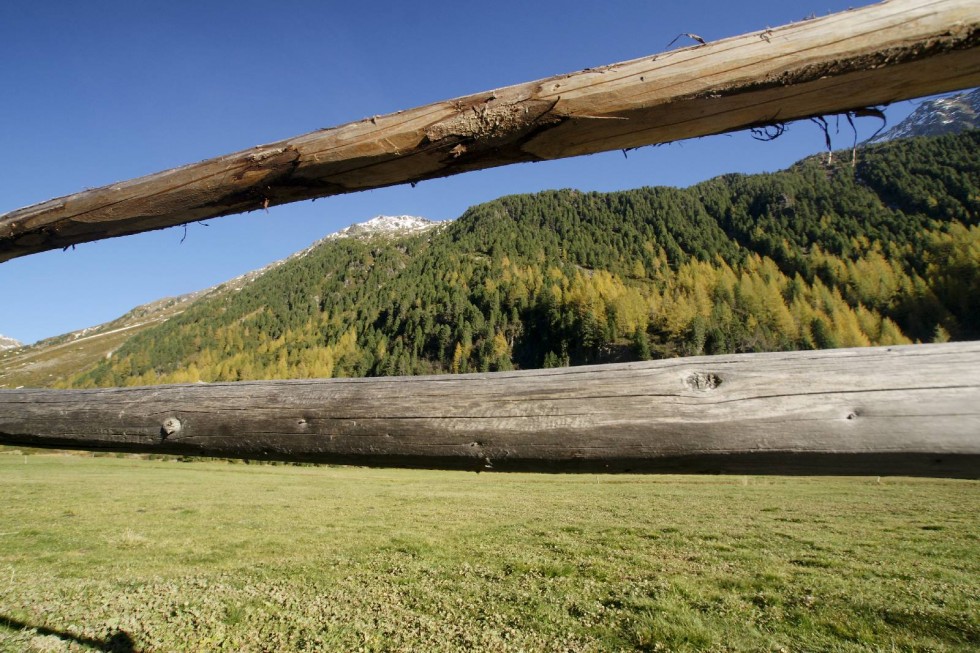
{"x":884,"y":410}
{"x":874,"y":55}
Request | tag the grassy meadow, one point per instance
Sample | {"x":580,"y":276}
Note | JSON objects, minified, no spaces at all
{"x":118,"y":554}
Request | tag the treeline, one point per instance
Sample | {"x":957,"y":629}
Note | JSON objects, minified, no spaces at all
{"x":812,"y":257}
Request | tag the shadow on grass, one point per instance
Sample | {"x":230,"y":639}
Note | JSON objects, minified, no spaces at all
{"x":120,"y":642}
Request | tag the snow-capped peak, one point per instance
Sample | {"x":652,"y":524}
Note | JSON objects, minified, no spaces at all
{"x":385,"y":224}
{"x":8,"y":343}
{"x":945,"y":115}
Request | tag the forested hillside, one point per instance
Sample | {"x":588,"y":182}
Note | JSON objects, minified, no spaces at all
{"x":819,"y":255}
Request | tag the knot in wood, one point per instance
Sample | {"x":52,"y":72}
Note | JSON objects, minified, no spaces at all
{"x":271,"y":158}
{"x":170,"y":426}
{"x":703,"y":381}
{"x":492,"y":121}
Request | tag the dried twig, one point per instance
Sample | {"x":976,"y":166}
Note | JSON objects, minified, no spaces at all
{"x":768,"y":133}
{"x":688,"y":35}
{"x":872,"y":112}
{"x":184,"y":237}
{"x":854,"y":145}
{"x":866,"y":112}
{"x":821,"y":122}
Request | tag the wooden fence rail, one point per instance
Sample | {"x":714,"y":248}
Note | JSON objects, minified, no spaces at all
{"x":878,"y":54}
{"x":911,"y":410}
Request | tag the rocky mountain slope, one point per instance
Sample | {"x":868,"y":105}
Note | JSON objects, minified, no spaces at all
{"x":385,"y":225}
{"x":946,"y":115}
{"x":47,"y":361}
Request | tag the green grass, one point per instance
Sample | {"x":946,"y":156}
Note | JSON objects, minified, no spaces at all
{"x":132,"y":555}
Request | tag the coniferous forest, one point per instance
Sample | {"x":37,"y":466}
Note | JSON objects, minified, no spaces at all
{"x":885,"y":251}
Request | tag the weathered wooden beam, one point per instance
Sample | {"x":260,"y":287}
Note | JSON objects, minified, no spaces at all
{"x":887,"y":410}
{"x":875,"y":55}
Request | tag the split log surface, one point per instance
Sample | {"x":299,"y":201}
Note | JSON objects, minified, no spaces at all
{"x":875,"y":55}
{"x":911,"y":410}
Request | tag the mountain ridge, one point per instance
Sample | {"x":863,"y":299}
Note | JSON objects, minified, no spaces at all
{"x":950,"y":114}
{"x":384,"y":225}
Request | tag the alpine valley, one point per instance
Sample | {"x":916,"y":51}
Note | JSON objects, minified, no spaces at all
{"x":883,"y":250}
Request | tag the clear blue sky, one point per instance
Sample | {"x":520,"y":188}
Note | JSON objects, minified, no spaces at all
{"x":100,"y":91}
